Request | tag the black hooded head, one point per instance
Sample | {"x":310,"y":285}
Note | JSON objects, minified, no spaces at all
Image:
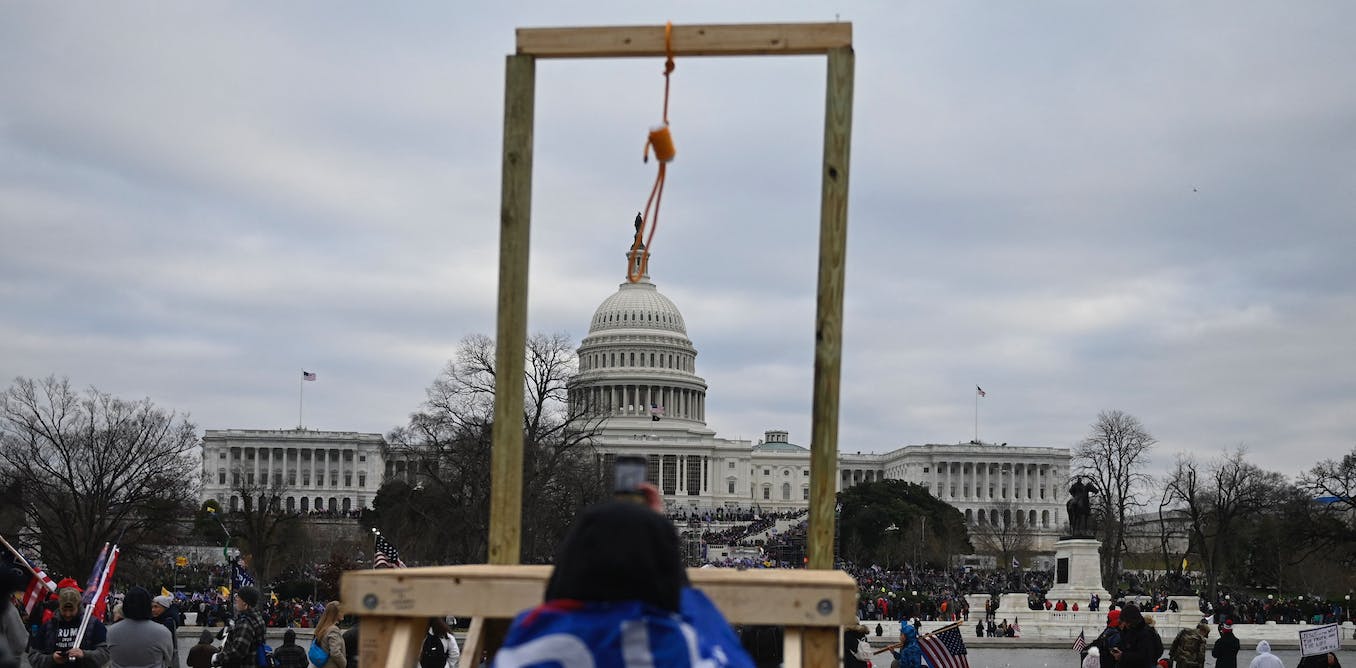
{"x":619,"y":551}
{"x":137,"y":604}
{"x":1130,"y":615}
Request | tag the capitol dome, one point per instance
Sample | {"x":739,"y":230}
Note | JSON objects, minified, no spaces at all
{"x":637,"y":361}
{"x":637,"y":306}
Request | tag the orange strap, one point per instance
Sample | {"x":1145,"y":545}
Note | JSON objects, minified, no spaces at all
{"x":664,"y":152}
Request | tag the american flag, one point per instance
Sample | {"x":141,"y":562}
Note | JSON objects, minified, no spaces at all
{"x":981,"y":391}
{"x":1081,"y":643}
{"x":386,"y":555}
{"x":307,"y":375}
{"x":655,"y":411}
{"x":37,"y":589}
{"x":945,"y":649}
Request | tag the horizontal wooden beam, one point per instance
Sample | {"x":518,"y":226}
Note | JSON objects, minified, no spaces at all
{"x":779,"y":597}
{"x":739,"y":39}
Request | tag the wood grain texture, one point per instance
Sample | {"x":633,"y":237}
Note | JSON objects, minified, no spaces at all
{"x":778,"y":597}
{"x":515,"y":224}
{"x":820,"y":648}
{"x":829,"y":307}
{"x":747,"y":39}
{"x":390,"y":641}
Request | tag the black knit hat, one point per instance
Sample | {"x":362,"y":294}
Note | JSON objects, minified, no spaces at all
{"x":249,"y":595}
{"x":137,"y":604}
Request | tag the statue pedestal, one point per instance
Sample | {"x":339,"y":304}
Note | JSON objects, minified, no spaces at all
{"x":1078,"y":572}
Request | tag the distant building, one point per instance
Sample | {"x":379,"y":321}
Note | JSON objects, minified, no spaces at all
{"x":637,"y":368}
{"x":310,"y":471}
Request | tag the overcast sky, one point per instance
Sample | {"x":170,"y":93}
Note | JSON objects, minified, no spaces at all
{"x":1078,"y":206}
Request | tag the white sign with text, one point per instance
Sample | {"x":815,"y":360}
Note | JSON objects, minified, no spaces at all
{"x":1320,"y":640}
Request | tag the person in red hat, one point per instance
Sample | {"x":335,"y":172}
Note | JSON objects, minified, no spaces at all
{"x":1109,"y":638}
{"x":53,"y":646}
{"x":1226,"y":648}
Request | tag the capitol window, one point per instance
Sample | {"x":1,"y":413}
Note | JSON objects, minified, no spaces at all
{"x":732,"y":464}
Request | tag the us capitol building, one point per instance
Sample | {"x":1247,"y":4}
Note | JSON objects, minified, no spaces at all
{"x":637,"y":364}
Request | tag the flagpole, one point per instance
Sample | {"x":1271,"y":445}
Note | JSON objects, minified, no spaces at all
{"x":98,"y":591}
{"x":20,"y":557}
{"x":301,"y":394}
{"x":976,"y":414}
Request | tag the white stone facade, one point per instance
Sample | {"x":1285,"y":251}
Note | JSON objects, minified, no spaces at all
{"x":327,"y":471}
{"x":637,"y":363}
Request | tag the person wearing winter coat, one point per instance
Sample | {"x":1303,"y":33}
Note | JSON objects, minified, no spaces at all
{"x":290,"y":654}
{"x":137,"y":641}
{"x":1138,"y":641}
{"x":53,"y":646}
{"x":856,"y":650}
{"x":1188,"y":648}
{"x":330,"y":638}
{"x":1093,"y":659}
{"x":1264,"y":658}
{"x":246,"y":634}
{"x":442,"y":634}
{"x":200,"y":655}
{"x":1226,"y":648}
{"x":911,"y":654}
{"x":1108,"y":640}
{"x":166,"y":613}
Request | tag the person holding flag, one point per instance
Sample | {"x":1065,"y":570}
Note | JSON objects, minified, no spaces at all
{"x":55,"y":643}
{"x":910,"y":653}
{"x":246,"y":634}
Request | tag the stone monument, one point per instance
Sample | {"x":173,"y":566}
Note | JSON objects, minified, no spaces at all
{"x":1078,"y":562}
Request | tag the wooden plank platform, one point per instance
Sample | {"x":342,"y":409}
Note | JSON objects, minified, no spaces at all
{"x":777,"y":597}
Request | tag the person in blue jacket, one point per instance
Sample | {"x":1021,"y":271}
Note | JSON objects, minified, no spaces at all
{"x":910,"y":655}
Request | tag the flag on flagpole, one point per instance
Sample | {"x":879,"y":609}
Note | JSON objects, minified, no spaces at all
{"x":386,"y":555}
{"x":307,"y":375}
{"x":239,"y":576}
{"x":101,"y":602}
{"x":1015,"y":563}
{"x":655,"y":411}
{"x":38,"y":584}
{"x":165,"y":592}
{"x":945,"y":649}
{"x":1081,"y":643}
{"x":93,"y":580}
{"x":980,"y":391}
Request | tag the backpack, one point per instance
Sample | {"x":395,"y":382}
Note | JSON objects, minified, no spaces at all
{"x":434,"y":655}
{"x":264,"y":659}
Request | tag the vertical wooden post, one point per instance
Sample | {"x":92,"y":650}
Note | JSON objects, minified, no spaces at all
{"x":515,"y":223}
{"x":829,"y":307}
{"x":821,"y":645}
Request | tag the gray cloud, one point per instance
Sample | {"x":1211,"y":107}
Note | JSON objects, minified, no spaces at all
{"x":1077,"y":207}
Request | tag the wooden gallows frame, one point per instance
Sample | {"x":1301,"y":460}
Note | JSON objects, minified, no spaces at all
{"x":394,"y":604}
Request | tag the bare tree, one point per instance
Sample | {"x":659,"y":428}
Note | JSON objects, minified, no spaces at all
{"x":1331,"y":521}
{"x":1216,"y":500}
{"x":92,"y":467}
{"x":1114,"y":454}
{"x":261,"y":527}
{"x":1005,"y":534}
{"x":447,"y":447}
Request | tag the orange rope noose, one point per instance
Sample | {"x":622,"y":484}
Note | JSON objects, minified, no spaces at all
{"x":664,"y":152}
